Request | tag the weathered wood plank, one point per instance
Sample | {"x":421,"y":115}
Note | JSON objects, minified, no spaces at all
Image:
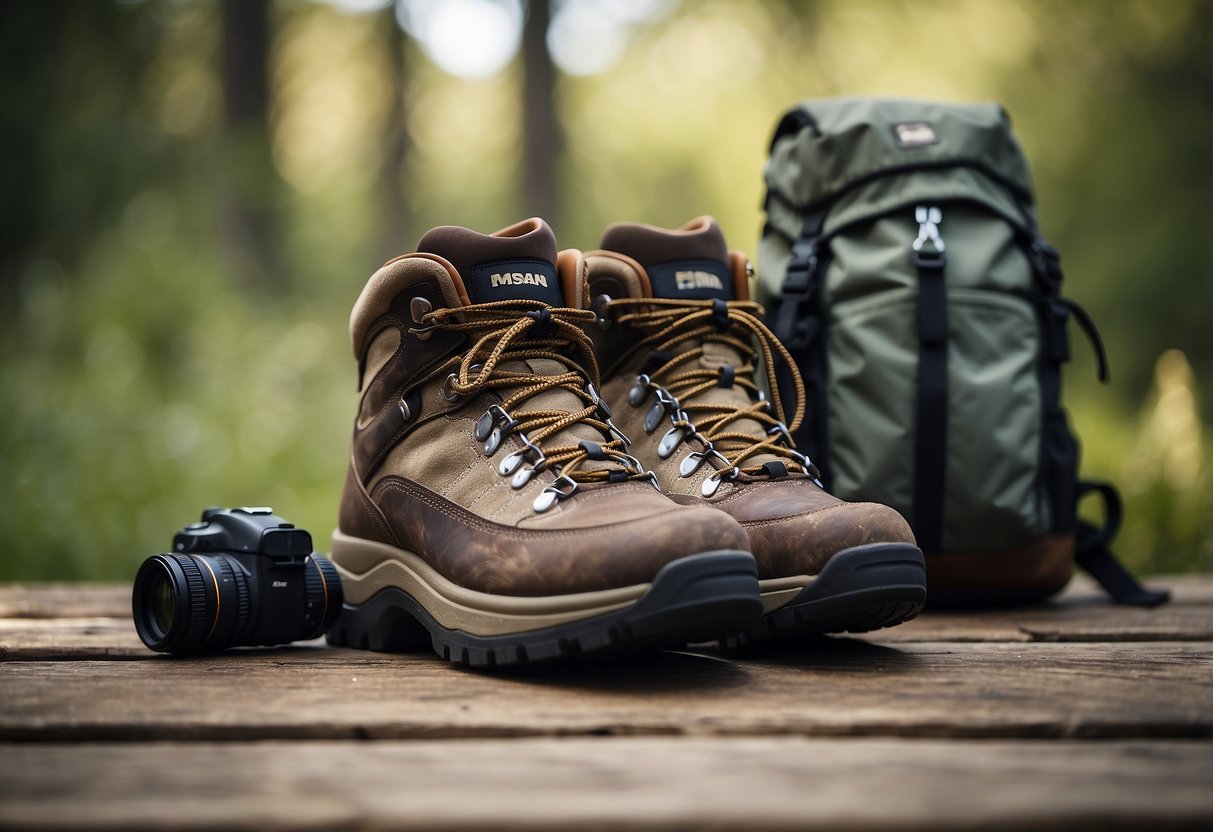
{"x":1082,"y":613}
{"x":74,"y":639}
{"x":597,"y":783}
{"x":830,"y":688}
{"x":68,"y":621}
{"x":108,"y":600}
{"x":70,"y":639}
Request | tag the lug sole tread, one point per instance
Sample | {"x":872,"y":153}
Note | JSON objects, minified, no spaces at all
{"x":696,"y":598}
{"x":861,"y":589}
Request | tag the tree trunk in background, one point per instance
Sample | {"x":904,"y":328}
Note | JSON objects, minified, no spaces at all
{"x":249,"y":184}
{"x":540,"y":130}
{"x":396,"y":231}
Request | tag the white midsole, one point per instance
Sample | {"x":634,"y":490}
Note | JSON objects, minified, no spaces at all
{"x":367,"y":566}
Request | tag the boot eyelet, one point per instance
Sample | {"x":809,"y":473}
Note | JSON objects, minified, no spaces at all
{"x":639,"y":391}
{"x":410,"y":405}
{"x":712,"y":483}
{"x":510,"y":464}
{"x":781,"y":430}
{"x":601,"y":307}
{"x":448,"y":390}
{"x":529,"y":453}
{"x":484,"y":426}
{"x":558,"y":490}
{"x":604,"y":409}
{"x":419,"y":307}
{"x":670,"y":442}
{"x":493,"y":442}
{"x":653,"y":418}
{"x":690,"y":464}
{"x":492,"y":427}
{"x":521,"y":477}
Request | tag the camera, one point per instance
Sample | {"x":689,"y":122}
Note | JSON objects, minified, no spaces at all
{"x":240,"y":577}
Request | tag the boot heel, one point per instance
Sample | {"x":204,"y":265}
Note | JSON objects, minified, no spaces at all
{"x":380,"y":626}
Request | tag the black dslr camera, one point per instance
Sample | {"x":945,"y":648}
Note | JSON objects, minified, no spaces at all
{"x":242,"y":576}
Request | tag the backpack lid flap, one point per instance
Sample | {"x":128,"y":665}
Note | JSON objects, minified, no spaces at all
{"x":821,"y":149}
{"x":886,"y":194}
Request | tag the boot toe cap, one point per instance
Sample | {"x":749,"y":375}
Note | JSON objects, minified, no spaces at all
{"x":803,"y":543}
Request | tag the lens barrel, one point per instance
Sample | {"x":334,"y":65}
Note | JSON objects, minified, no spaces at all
{"x":193,"y":603}
{"x":324,"y":596}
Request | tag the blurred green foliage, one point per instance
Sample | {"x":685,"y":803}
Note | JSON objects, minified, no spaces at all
{"x":151,"y":366}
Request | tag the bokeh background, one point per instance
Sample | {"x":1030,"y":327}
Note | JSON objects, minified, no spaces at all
{"x":193,"y":194}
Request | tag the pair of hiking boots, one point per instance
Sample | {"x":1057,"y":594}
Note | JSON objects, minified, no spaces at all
{"x":558,"y":454}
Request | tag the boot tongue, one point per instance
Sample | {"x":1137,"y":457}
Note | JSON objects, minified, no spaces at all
{"x":690,"y":263}
{"x":515,"y":263}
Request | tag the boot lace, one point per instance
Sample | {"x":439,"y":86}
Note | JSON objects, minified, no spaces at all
{"x":509,"y":331}
{"x":678,"y":378}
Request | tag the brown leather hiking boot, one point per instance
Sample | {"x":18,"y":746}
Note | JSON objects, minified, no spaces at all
{"x":680,"y":341}
{"x":491,"y":506}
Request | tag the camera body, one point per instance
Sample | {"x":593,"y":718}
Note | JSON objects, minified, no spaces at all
{"x":241,"y":576}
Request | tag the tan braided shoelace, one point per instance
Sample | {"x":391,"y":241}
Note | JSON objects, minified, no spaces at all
{"x":668,"y":324}
{"x":506,"y":333}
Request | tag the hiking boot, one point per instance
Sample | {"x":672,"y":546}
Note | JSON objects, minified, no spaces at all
{"x":679,"y":342}
{"x":491,"y":507}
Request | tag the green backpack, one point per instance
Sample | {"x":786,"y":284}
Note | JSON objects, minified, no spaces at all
{"x":901,"y":266}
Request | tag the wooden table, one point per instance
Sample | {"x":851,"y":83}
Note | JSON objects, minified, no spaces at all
{"x":1073,"y":714}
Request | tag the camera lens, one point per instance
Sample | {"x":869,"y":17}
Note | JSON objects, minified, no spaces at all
{"x":190,"y":603}
{"x":323,"y":597}
{"x":160,"y":592}
{"x":195,"y":603}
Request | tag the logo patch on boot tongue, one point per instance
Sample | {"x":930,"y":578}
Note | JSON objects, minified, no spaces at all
{"x":514,"y":279}
{"x":692,"y":279}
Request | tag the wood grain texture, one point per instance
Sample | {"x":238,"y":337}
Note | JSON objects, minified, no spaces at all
{"x":607,"y":783}
{"x":826,"y":688}
{"x":58,"y":622}
{"x":1082,"y":613}
{"x":1070,"y":714}
{"x":70,"y":639}
{"x":109,"y":600}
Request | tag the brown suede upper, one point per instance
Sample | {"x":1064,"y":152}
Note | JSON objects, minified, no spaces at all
{"x":794,"y":526}
{"x":421,"y":481}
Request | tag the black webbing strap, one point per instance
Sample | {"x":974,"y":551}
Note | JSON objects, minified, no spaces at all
{"x":1091,"y":552}
{"x":1088,"y":327}
{"x":797,"y":322}
{"x":796,"y":318}
{"x":930,"y":445}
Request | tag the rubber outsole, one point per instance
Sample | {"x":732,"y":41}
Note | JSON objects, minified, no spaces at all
{"x":860,"y":589}
{"x":695,"y":598}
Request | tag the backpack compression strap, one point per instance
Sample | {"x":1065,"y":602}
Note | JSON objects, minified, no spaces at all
{"x":1091,"y":552}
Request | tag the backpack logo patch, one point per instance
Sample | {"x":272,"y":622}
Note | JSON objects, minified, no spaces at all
{"x":914,"y":134}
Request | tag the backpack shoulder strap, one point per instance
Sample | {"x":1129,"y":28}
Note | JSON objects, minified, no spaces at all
{"x":1091,"y":552}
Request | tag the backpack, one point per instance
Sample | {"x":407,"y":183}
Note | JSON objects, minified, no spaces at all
{"x":901,"y":266}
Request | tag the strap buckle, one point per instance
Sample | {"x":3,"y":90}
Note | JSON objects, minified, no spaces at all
{"x":927,"y":250}
{"x":794,"y":325}
{"x":1046,"y":262}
